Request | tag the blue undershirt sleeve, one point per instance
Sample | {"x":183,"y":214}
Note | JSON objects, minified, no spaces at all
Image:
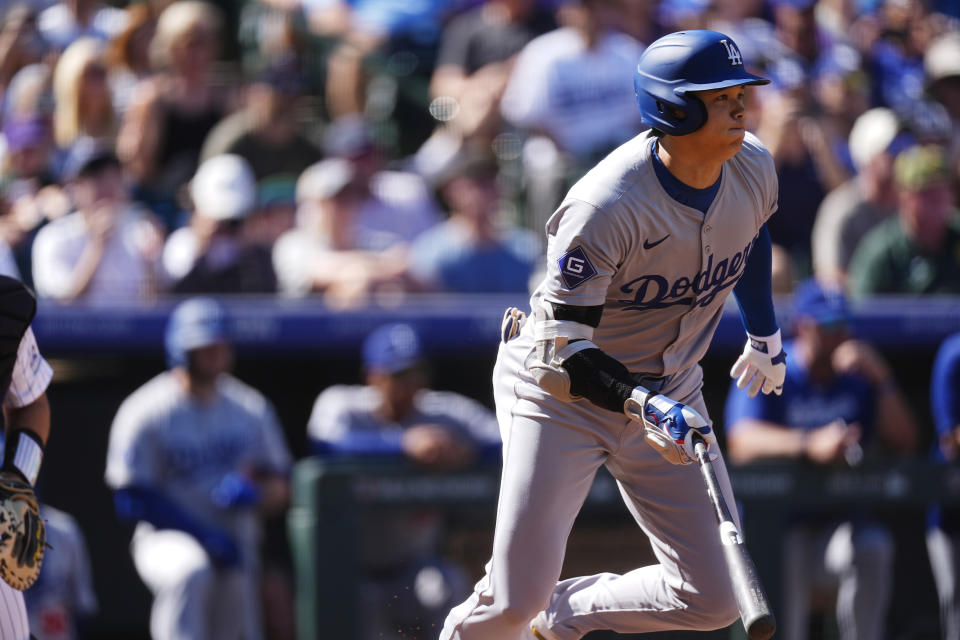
{"x":373,"y":443}
{"x":754,"y":290}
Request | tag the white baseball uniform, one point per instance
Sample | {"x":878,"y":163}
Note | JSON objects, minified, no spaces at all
{"x":30,"y":379}
{"x":662,"y":272}
{"x":161,"y":438}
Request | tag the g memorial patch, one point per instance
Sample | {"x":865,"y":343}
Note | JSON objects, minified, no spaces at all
{"x":575,"y":268}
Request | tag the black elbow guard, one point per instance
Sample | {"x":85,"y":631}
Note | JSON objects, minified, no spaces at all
{"x":599,"y":378}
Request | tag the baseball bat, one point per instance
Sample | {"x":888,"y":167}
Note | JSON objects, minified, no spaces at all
{"x":751,"y":598}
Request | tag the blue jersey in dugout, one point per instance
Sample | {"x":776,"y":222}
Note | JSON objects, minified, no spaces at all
{"x":805,"y":404}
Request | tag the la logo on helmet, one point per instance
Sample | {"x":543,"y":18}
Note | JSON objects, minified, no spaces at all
{"x":733,"y":54}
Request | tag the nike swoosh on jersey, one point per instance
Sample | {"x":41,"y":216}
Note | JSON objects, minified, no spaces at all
{"x":650,"y":245}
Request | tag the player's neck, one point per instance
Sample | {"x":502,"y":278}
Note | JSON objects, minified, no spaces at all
{"x":201,"y":390}
{"x":688,"y":164}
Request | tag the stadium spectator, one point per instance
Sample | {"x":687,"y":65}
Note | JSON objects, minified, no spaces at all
{"x":171,"y":112}
{"x":29,"y":93}
{"x":195,"y":459}
{"x":941,"y":64}
{"x":128,"y":54}
{"x":407,"y":588}
{"x":918,"y":251}
{"x":63,"y":23}
{"x":475,"y":250}
{"x":943,"y":531}
{"x":31,"y":194}
{"x":20,"y":42}
{"x":62,"y":602}
{"x":896,"y":56}
{"x":567,"y":89}
{"x":383,"y":60}
{"x":333,"y":250}
{"x":268,"y":132}
{"x":108,"y":249}
{"x":803,"y":153}
{"x":840,"y":403}
{"x":218,"y":251}
{"x":857,"y":206}
{"x":476,"y":55}
{"x":392,"y":200}
{"x":83,"y":103}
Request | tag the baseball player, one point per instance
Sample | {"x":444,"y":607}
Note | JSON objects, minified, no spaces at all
{"x":193,"y":455}
{"x":24,"y":376}
{"x":943,"y":526}
{"x":641,"y":255}
{"x":62,"y":602}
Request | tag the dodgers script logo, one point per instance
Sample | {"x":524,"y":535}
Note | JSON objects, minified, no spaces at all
{"x":656,"y":292}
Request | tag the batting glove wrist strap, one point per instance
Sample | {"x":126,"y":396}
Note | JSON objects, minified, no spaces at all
{"x":22,"y":455}
{"x":669,"y":426}
{"x":762,"y":366}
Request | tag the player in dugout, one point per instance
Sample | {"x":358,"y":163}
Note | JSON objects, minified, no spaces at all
{"x":641,"y":255}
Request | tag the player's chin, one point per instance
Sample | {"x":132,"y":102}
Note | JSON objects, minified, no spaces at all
{"x":735,"y":136}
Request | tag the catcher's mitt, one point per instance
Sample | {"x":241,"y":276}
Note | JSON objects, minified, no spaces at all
{"x":22,"y":533}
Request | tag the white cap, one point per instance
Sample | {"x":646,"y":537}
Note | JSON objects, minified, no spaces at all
{"x":942,"y":59}
{"x":871,"y":134}
{"x":224,"y":188}
{"x":324,"y":179}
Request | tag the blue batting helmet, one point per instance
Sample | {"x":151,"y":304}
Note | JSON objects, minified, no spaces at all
{"x":194,"y":323}
{"x":679,"y":63}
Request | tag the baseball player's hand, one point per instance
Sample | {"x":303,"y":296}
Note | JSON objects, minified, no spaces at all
{"x":669,"y":426}
{"x":513,"y":319}
{"x":221,"y":548}
{"x":22,"y":532}
{"x":762,"y":366}
{"x":235,"y":490}
{"x":436,"y":446}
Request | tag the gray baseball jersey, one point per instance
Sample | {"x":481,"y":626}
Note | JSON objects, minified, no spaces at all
{"x":161,"y":438}
{"x":661,"y":270}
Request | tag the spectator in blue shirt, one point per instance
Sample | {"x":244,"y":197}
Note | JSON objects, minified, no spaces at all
{"x":943,"y":533}
{"x":839,"y":403}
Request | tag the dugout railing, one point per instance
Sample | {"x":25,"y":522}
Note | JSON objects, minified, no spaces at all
{"x":328,"y":496}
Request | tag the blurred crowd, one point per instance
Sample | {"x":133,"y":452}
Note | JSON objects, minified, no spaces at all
{"x":358,"y":148}
{"x":352,"y":150}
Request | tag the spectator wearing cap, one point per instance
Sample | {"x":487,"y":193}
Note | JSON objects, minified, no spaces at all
{"x":475,"y":250}
{"x":840,"y":405}
{"x":395,"y":416}
{"x":858,"y":205}
{"x":941,"y":65}
{"x":217,"y":251}
{"x":918,"y":251}
{"x":333,"y":250}
{"x":107,"y":250}
{"x":268,"y":131}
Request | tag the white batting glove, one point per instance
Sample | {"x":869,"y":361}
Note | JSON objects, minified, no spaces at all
{"x":669,"y":426}
{"x":762,"y":366}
